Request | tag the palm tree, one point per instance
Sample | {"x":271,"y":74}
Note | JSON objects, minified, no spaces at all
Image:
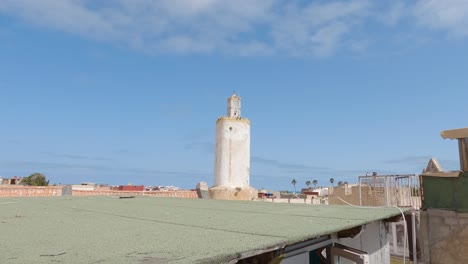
{"x":332,"y":181}
{"x":308,"y":184}
{"x":315,"y":182}
{"x":293,"y":182}
{"x":340,"y":183}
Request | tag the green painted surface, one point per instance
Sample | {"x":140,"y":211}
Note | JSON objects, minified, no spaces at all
{"x":159,"y":230}
{"x":446,"y":193}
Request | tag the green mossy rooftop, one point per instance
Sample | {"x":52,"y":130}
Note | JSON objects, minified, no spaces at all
{"x":161,"y":230}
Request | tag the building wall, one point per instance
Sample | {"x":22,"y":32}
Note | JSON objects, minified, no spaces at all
{"x":83,"y":187}
{"x":131,"y":188}
{"x":348,"y":194}
{"x":25,"y":191}
{"x":444,"y":220}
{"x":446,"y":192}
{"x":177,"y":194}
{"x":444,"y":234}
{"x":373,"y":196}
{"x":369,"y":196}
{"x":374,"y":239}
{"x":232,"y":153}
{"x":33,"y":191}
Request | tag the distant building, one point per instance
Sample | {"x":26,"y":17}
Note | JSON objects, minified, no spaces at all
{"x":11,"y":181}
{"x":444,"y":215}
{"x":84,"y":186}
{"x":232,"y":155}
{"x":131,"y":188}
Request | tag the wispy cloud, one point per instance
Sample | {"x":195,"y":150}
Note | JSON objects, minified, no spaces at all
{"x":447,"y":15}
{"x":74,"y":156}
{"x":92,"y":167}
{"x":317,"y":28}
{"x":123,"y":151}
{"x":409,"y":160}
{"x":394,"y":13}
{"x":291,"y":167}
{"x":242,"y":27}
{"x":420,"y":162}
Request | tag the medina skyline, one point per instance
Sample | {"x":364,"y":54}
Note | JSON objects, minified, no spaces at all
{"x":130,"y":91}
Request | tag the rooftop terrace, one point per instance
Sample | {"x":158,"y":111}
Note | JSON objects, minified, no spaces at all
{"x":161,"y":230}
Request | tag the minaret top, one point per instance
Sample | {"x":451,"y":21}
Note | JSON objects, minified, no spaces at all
{"x":234,"y":106}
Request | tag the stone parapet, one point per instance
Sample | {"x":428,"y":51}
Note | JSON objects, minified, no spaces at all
{"x":29,"y":191}
{"x":177,"y":194}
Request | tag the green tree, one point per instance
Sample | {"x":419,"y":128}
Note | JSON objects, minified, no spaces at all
{"x":315,"y":182}
{"x":308,"y":184}
{"x":293,"y":182}
{"x":35,"y":179}
{"x":340,"y":183}
{"x":332,"y":181}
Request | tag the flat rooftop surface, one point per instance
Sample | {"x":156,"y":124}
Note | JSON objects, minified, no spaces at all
{"x":161,"y":230}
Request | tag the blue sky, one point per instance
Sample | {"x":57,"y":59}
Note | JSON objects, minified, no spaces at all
{"x":129,"y":91}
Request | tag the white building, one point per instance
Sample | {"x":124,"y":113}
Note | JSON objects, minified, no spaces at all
{"x":232,"y":155}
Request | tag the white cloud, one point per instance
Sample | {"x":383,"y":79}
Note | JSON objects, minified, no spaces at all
{"x":69,"y":16}
{"x":394,"y":13}
{"x":326,"y":39}
{"x":241,"y":27}
{"x":449,"y":15}
{"x":317,"y":29}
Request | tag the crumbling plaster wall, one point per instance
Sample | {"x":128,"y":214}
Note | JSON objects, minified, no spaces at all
{"x":34,"y":191}
{"x":177,"y":194}
{"x":372,"y":196}
{"x":348,"y":194}
{"x":445,"y":236}
{"x":26,"y":191}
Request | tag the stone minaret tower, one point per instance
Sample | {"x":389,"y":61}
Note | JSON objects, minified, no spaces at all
{"x":232,"y":155}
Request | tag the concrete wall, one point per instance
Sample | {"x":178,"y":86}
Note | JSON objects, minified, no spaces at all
{"x":83,"y":187}
{"x":444,"y":235}
{"x":32,"y":191}
{"x":25,"y":191}
{"x":232,"y":153}
{"x":374,"y":239}
{"x":373,"y":196}
{"x":178,"y":194}
{"x":348,"y":194}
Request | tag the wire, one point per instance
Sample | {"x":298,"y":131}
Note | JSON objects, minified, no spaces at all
{"x":393,"y":206}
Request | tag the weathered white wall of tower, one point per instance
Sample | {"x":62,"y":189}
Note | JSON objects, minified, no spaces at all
{"x":234,"y":106}
{"x":232,"y":153}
